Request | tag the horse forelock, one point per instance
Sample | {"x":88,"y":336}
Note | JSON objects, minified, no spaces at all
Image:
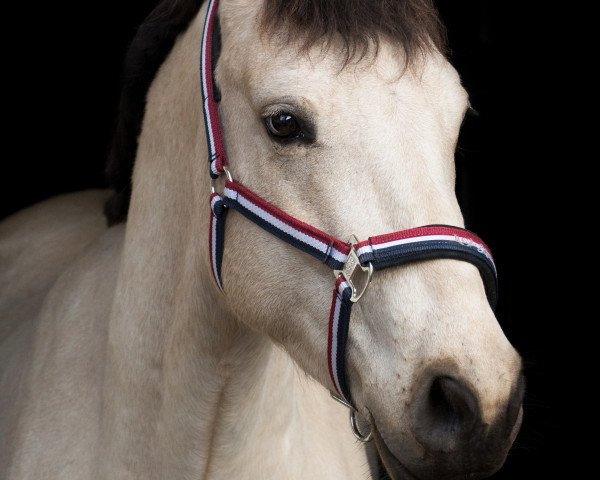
{"x":412,"y":25}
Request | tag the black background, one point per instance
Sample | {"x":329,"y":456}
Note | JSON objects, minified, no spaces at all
{"x":64,"y":80}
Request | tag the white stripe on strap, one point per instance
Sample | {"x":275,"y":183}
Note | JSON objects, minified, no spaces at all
{"x":333,"y":340}
{"x":425,"y":238}
{"x":284,"y":227}
{"x":206,"y":73}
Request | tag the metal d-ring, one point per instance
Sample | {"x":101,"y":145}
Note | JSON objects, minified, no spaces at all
{"x":213,"y":181}
{"x":353,"y":423}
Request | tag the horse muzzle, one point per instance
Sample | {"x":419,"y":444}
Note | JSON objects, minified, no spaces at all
{"x":455,"y":442}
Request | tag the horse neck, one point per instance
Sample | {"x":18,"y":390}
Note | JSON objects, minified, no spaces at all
{"x":177,"y":360}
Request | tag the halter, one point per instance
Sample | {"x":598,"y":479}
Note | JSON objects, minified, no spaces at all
{"x":353,"y":262}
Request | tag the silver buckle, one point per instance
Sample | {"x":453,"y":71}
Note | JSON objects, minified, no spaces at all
{"x":351,"y":268}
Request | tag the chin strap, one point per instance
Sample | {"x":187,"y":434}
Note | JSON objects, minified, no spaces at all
{"x":353,"y":263}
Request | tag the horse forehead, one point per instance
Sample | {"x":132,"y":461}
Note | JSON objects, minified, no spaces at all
{"x":322,"y":80}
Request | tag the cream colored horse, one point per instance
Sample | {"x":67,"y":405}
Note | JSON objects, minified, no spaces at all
{"x":119,"y":357}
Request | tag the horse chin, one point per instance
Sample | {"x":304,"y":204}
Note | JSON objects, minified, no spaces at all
{"x":392,"y":466}
{"x":397,"y":471}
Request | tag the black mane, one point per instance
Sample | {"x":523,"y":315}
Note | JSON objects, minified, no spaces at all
{"x":413,"y":25}
{"x":148,"y":50}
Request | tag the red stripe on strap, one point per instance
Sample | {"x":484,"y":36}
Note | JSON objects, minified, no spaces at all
{"x":423,"y":232}
{"x":213,"y":107}
{"x":217,"y":134}
{"x":305,"y":228}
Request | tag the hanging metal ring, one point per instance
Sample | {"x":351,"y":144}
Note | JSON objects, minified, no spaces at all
{"x":354,"y":425}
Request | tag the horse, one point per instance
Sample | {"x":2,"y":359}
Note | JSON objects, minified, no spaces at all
{"x":121,"y":357}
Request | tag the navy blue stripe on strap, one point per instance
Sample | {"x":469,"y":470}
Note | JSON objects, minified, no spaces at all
{"x":217,"y":236}
{"x":339,"y":327}
{"x":436,"y":249}
{"x":320,"y":245}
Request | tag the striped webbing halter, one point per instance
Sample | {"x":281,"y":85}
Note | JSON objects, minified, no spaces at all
{"x":348,"y":260}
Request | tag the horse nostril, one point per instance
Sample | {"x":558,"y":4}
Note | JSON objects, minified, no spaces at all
{"x":448,"y":413}
{"x":447,"y":421}
{"x":452,"y":403}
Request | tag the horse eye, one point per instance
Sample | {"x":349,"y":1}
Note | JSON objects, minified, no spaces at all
{"x":283,"y":126}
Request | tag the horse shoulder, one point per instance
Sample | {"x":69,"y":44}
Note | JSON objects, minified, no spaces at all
{"x":58,"y":269}
{"x":36,"y":245}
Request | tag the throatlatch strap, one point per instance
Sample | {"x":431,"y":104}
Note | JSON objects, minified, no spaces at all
{"x":216,"y":238}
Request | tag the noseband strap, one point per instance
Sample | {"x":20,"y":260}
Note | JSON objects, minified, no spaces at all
{"x":376,"y":253}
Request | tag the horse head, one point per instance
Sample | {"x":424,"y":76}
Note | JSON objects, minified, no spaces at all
{"x":354,"y":132}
